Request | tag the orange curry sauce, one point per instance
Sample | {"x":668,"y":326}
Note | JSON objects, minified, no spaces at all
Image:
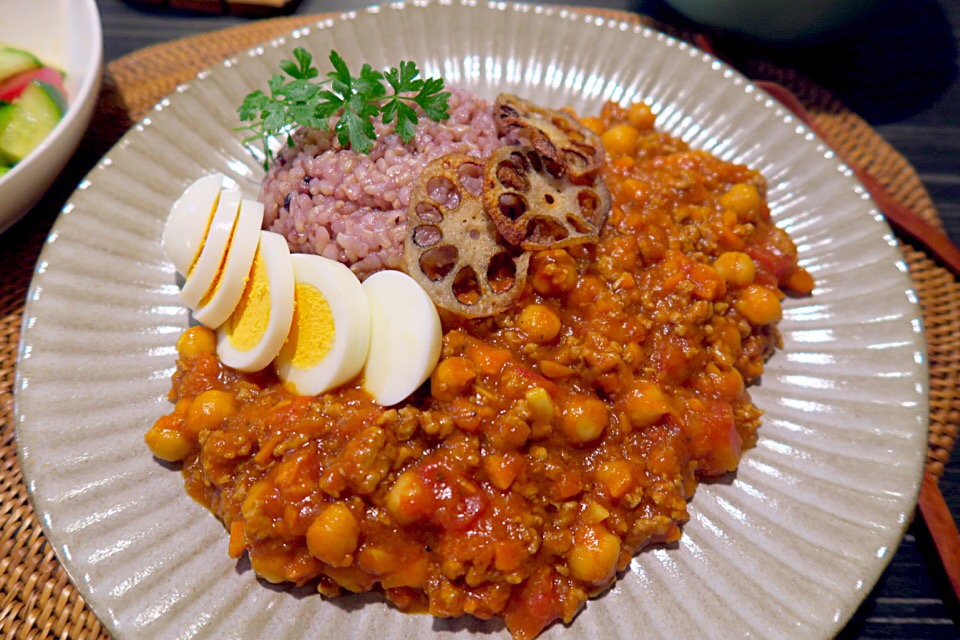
{"x":552,"y":442}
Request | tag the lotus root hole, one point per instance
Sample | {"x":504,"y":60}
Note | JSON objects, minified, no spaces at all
{"x":512,"y":206}
{"x":443,"y":192}
{"x":428,"y":212}
{"x":548,"y":198}
{"x":501,"y":273}
{"x":471,"y":178}
{"x":560,"y":123}
{"x":546,"y":230}
{"x":427,"y":235}
{"x":580,"y":225}
{"x":466,"y":287}
{"x":534,"y":159}
{"x":589,"y":202}
{"x":510,"y":174}
{"x":474,"y":234}
{"x":554,"y":168}
{"x":575,"y":159}
{"x":437,"y":263}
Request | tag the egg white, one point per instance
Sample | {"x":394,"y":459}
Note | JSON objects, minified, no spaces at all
{"x":205,"y":270}
{"x":405,"y":336}
{"x":188,"y":221}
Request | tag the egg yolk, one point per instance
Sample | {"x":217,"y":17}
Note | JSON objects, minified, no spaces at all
{"x":313,"y":330}
{"x":217,"y":279}
{"x":252,"y":316}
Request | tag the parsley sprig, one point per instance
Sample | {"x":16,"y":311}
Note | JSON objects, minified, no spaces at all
{"x":298,"y":99}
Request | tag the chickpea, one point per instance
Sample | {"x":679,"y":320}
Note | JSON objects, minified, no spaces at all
{"x":594,"y":514}
{"x":167,"y":444}
{"x":539,"y":322}
{"x":736,"y":268}
{"x":541,"y":404}
{"x":594,"y":555}
{"x":759,"y":305}
{"x":353,"y":579}
{"x":411,"y":574}
{"x":588,"y":290}
{"x":196,"y":340}
{"x":593,"y":124}
{"x":616,"y":477}
{"x":640,"y":115}
{"x":729,"y":218}
{"x":409,"y":499}
{"x":644,"y":403}
{"x":729,"y":384}
{"x":636,"y":190}
{"x":800,"y":282}
{"x":553,"y":272}
{"x":271,"y":567}
{"x":584,"y":418}
{"x":334,"y":536}
{"x":209,"y":410}
{"x":621,"y":140}
{"x":452,"y":378}
{"x":555,"y":370}
{"x":719,"y":383}
{"x":742,"y":198}
{"x":376,"y":560}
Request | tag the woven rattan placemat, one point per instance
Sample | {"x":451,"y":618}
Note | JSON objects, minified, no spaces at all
{"x":36,"y":597}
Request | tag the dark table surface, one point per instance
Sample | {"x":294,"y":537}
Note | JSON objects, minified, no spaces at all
{"x":898,"y":70}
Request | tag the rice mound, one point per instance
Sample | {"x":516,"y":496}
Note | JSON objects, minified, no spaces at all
{"x":351,"y":207}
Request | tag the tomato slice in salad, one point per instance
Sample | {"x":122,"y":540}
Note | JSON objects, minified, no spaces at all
{"x":12,"y":87}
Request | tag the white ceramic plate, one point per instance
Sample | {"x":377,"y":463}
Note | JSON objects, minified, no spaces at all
{"x":788,"y":548}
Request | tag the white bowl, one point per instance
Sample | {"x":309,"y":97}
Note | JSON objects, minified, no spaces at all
{"x":64,"y":34}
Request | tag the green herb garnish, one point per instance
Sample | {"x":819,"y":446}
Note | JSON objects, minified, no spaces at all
{"x":303,"y":101}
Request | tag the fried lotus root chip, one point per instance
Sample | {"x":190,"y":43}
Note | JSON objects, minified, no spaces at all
{"x":452,"y":247}
{"x":535,"y":210}
{"x":567,"y":146}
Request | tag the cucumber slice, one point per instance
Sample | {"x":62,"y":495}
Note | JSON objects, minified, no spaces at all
{"x":6,"y":112}
{"x":3,"y":170}
{"x":55,"y":94}
{"x":13,"y":61}
{"x":30,"y":119}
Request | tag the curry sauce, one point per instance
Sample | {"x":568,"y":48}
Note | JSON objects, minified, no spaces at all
{"x":552,"y":442}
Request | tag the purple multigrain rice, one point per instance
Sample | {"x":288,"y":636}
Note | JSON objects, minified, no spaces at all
{"x":351,"y":207}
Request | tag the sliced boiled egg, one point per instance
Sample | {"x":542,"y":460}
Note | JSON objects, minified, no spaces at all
{"x":221,"y":299}
{"x":330,"y":335}
{"x":254,"y":333}
{"x":190,"y":218}
{"x":405,"y":336}
{"x":205,"y":271}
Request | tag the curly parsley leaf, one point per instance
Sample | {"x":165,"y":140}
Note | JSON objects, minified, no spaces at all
{"x":298,"y":98}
